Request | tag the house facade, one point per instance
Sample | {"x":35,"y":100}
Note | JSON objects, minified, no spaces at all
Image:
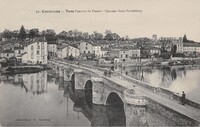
{"x":97,"y":51}
{"x":52,"y":48}
{"x":18,"y":51}
{"x":62,"y":51}
{"x":85,"y":47}
{"x":7,"y":53}
{"x":129,"y":54}
{"x":35,"y":52}
{"x":71,"y":50}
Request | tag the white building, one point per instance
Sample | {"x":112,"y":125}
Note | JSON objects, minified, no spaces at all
{"x":62,"y":51}
{"x":154,"y":50}
{"x":35,"y":52}
{"x":7,"y":54}
{"x":85,"y":47}
{"x":97,"y":50}
{"x":72,"y":50}
{"x":128,"y":54}
{"x":104,"y":52}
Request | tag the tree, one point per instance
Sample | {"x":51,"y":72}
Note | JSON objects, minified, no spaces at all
{"x":71,"y":58}
{"x":34,"y":33}
{"x":7,"y":34}
{"x":50,"y":35}
{"x":63,"y":35}
{"x":22,"y":33}
{"x":86,"y":35}
{"x":173,"y":50}
{"x":97,"y":36}
{"x":185,"y":38}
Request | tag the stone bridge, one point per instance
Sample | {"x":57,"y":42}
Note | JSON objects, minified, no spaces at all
{"x":106,"y":91}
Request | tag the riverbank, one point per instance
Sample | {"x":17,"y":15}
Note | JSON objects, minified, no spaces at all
{"x":23,"y":69}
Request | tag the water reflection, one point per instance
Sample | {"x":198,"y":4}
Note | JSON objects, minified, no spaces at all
{"x":35,"y":83}
{"x":99,"y":115}
{"x":167,"y":77}
{"x":62,"y":105}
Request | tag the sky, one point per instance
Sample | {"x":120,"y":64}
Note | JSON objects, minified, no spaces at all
{"x":168,"y":18}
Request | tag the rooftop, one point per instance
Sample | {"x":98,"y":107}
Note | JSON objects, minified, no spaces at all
{"x":7,"y":51}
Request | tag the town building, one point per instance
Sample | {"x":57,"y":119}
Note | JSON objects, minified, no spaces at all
{"x":35,"y":52}
{"x":104,"y":52}
{"x":85,"y":47}
{"x":8,"y":53}
{"x":154,"y":50}
{"x":52,"y":48}
{"x":128,"y":54}
{"x":114,"y":52}
{"x":73,"y":51}
{"x":97,"y":50}
{"x":62,"y":51}
{"x":18,"y":51}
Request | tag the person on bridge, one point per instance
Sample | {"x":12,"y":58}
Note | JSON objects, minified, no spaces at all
{"x":112,"y":68}
{"x":105,"y":73}
{"x":109,"y":73}
{"x":183,"y":98}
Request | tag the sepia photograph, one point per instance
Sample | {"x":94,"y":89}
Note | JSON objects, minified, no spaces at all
{"x":100,"y":63}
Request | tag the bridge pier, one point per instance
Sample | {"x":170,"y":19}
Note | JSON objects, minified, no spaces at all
{"x":61,"y":71}
{"x":135,"y":108}
{"x":79,"y":79}
{"x":66,"y":75}
{"x":98,"y":91}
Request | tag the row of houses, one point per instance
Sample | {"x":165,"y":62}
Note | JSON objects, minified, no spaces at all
{"x":37,"y":50}
{"x":30,"y":52}
{"x":86,"y":49}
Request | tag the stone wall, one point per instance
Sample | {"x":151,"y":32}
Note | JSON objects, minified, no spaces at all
{"x":178,"y":118}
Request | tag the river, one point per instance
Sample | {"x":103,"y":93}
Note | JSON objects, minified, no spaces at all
{"x":42,"y":100}
{"x":175,"y":79}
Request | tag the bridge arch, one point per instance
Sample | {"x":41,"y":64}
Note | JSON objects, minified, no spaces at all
{"x":113,"y":98}
{"x":115,"y":110}
{"x":73,"y":82}
{"x":88,"y":92}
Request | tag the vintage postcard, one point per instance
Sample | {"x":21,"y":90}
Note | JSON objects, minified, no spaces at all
{"x":99,"y":63}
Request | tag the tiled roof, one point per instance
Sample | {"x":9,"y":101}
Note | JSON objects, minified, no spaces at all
{"x":75,"y":46}
{"x":7,"y":51}
{"x":52,"y":42}
{"x":62,"y":46}
{"x":15,"y":48}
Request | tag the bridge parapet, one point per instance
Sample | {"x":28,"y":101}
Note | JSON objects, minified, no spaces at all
{"x":131,"y":98}
{"x":135,"y":108}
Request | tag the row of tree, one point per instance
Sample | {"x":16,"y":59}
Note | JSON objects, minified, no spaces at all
{"x":50,"y":34}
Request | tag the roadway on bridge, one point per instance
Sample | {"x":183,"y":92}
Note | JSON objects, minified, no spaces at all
{"x":172,"y":104}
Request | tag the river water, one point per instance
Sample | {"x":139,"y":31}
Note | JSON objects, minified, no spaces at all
{"x":175,"y":79}
{"x":40,"y":99}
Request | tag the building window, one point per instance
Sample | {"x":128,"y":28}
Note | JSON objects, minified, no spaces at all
{"x":86,"y":48}
{"x":83,"y":51}
{"x":19,"y":51}
{"x":88,"y":51}
{"x":126,"y":56}
{"x":121,"y":56}
{"x":38,"y":52}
